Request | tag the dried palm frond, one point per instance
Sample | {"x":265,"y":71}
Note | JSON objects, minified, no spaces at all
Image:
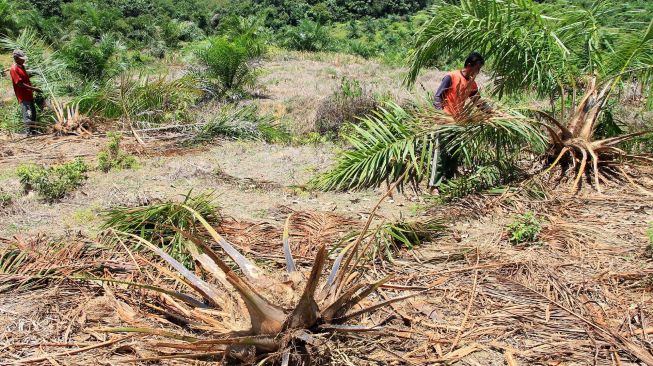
{"x":68,"y":120}
{"x":31,"y":263}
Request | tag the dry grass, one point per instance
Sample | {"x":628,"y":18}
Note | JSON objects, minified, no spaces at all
{"x":581,"y":298}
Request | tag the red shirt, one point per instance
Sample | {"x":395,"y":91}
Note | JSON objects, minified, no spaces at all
{"x":19,"y":78}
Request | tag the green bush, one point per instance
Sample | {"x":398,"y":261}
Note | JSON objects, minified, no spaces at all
{"x":6,"y":199}
{"x":307,"y":36}
{"x":52,"y":183}
{"x":226,"y":67}
{"x":524,"y":228}
{"x":112,"y":158}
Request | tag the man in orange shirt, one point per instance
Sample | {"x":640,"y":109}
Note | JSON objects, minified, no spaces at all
{"x":24,"y":91}
{"x":456,"y":88}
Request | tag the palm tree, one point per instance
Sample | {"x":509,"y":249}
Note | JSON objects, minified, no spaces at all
{"x":557,"y":53}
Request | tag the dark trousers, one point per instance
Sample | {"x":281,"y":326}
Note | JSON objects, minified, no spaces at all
{"x":29,"y":116}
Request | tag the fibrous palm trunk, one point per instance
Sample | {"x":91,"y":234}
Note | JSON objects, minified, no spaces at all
{"x":574,"y":145}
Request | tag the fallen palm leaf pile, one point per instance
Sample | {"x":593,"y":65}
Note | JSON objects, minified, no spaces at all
{"x":582,"y":297}
{"x":68,"y":120}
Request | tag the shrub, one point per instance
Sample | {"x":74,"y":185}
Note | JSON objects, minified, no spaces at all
{"x":52,"y":183}
{"x":524,"y":229}
{"x":226,"y":67}
{"x":112,"y":158}
{"x":307,"y":36}
{"x":346,"y":103}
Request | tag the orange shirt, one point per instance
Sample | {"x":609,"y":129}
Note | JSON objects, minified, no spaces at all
{"x":461,"y":88}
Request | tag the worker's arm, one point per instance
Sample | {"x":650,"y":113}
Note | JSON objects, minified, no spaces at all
{"x":28,"y":87}
{"x":445,"y":85}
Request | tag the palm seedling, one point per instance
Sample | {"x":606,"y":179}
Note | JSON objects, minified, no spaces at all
{"x":281,"y":318}
{"x":556,"y":53}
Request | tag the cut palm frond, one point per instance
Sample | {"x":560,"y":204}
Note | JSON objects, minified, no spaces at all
{"x":397,"y":143}
{"x":161,"y":222}
{"x":386,"y":146}
{"x":26,"y":264}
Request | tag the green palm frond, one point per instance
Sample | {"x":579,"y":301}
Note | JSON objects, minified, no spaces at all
{"x":396,"y":144}
{"x":386,"y":146}
{"x":48,"y":72}
{"x":515,"y":35}
{"x":633,"y":56}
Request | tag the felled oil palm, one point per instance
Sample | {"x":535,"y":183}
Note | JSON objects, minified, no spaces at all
{"x":280,"y":318}
{"x":573,"y":145}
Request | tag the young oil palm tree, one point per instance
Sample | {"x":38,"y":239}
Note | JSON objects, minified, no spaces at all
{"x":557,"y":53}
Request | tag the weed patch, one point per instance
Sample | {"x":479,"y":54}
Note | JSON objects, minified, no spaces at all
{"x":112,"y":158}
{"x":524,"y":229}
{"x":52,"y":183}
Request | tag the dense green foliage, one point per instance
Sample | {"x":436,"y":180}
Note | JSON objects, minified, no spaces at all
{"x":225,"y":66}
{"x":52,"y":183}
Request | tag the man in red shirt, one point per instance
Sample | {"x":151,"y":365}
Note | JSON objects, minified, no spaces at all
{"x":24,"y":91}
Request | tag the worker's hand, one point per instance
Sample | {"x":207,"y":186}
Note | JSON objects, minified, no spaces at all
{"x":485,"y":107}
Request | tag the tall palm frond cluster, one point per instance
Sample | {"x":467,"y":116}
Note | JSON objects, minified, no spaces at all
{"x":568,"y":55}
{"x":47,"y":70}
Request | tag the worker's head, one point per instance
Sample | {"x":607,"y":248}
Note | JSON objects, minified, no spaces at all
{"x":473,"y":64}
{"x":19,"y":56}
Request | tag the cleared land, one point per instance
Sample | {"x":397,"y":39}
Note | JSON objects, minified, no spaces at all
{"x":582,"y":296}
